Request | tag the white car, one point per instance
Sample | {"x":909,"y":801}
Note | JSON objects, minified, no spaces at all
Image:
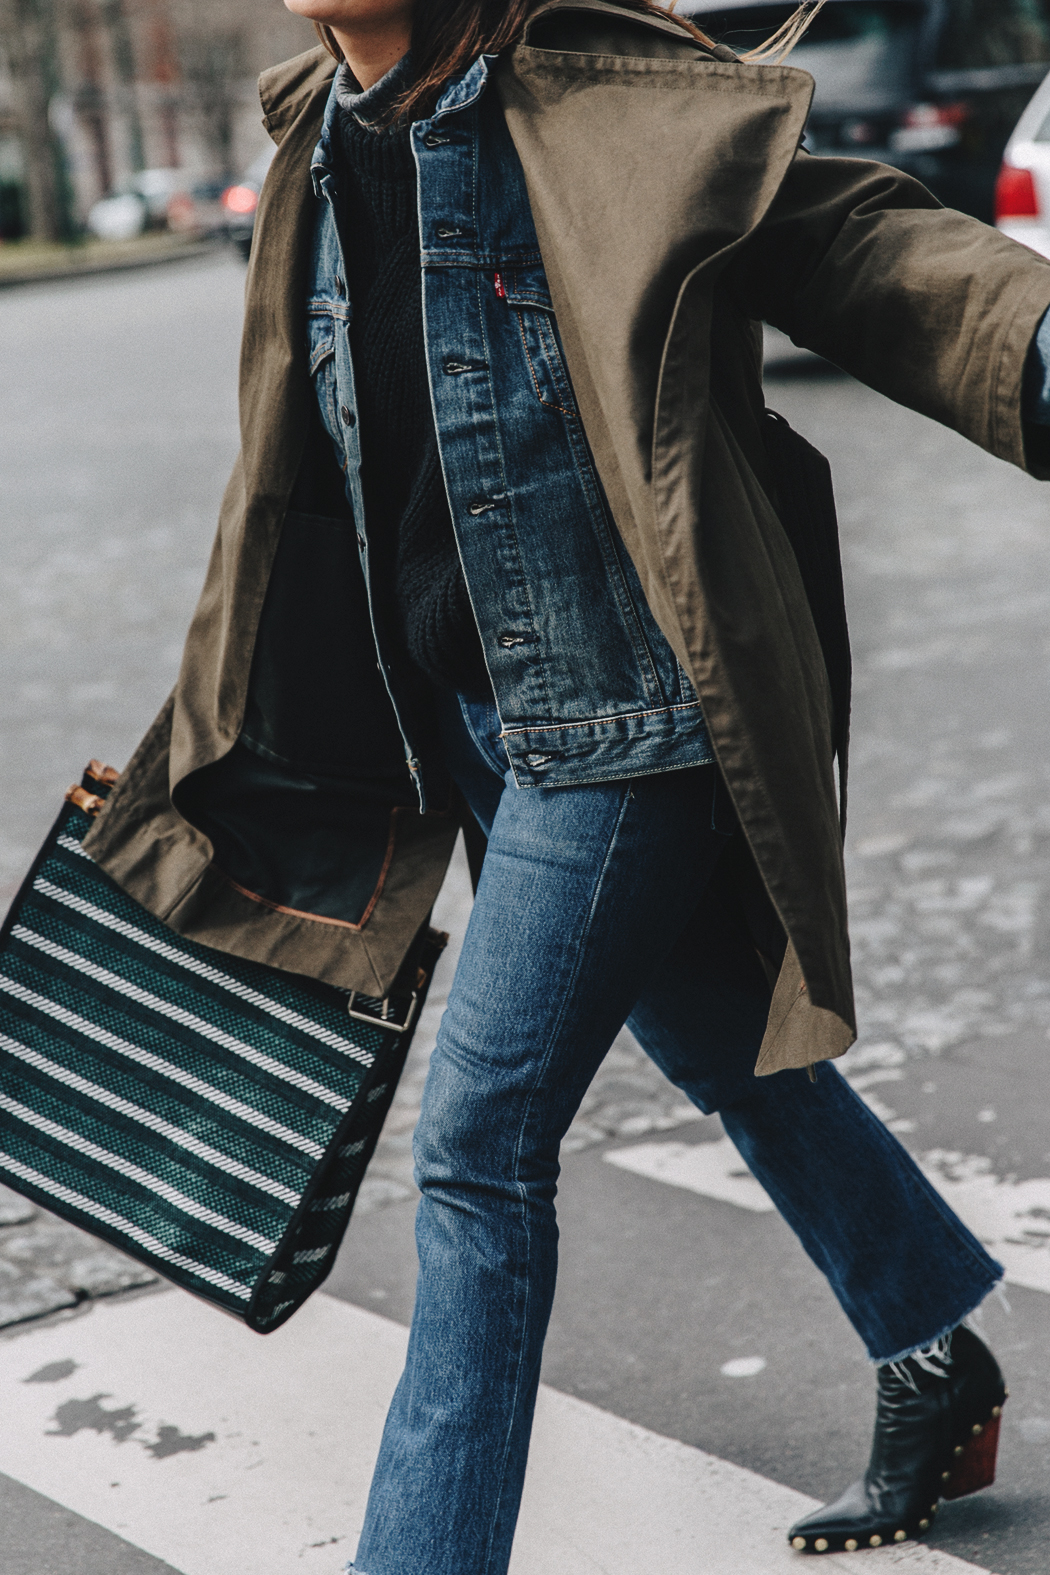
{"x":1022,"y":193}
{"x":140,"y":204}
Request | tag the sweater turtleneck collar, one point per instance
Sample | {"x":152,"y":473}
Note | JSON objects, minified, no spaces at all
{"x":371,"y":104}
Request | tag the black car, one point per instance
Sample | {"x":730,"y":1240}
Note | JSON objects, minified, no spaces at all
{"x":934,"y":87}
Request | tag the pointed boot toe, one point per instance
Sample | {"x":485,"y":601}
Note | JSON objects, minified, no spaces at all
{"x":856,"y":1520}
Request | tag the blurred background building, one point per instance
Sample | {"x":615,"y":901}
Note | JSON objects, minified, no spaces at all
{"x":95,"y":92}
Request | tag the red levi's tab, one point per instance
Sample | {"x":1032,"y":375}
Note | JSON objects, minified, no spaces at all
{"x":501,"y":289}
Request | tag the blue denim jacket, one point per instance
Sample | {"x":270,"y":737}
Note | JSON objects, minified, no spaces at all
{"x":586,"y":686}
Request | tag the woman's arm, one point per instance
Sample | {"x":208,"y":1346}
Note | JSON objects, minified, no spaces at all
{"x":859,"y":263}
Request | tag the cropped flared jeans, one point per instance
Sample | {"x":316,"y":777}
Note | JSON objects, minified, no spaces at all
{"x":589,"y":914}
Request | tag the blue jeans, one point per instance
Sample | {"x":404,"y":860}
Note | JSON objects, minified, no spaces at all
{"x":590,"y":913}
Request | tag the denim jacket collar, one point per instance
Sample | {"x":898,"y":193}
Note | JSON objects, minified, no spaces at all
{"x":461,"y":92}
{"x":465,"y":90}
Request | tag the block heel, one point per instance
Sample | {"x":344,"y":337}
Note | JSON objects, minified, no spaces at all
{"x":973,"y":1463}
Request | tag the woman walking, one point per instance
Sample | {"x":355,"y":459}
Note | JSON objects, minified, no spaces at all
{"x":503,"y":549}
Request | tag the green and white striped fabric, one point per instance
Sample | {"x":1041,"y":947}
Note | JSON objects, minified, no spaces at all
{"x":209,"y":1116}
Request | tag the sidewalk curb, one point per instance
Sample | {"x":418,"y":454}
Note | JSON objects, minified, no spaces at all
{"x":114,"y":265}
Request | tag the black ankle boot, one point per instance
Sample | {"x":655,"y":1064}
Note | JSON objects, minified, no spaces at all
{"x":936,"y":1436}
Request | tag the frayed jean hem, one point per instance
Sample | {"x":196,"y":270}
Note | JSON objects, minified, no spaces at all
{"x":924,"y":1345}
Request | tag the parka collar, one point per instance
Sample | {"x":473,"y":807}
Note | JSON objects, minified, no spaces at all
{"x":287,"y":89}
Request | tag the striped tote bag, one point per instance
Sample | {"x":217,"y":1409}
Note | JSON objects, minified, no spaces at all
{"x":209,"y":1116}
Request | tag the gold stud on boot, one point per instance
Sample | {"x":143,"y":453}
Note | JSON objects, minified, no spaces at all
{"x":924,"y":1525}
{"x":799,"y":1544}
{"x":900,"y":1536}
{"x":851,"y":1544}
{"x":875,"y":1541}
{"x":821,"y":1544}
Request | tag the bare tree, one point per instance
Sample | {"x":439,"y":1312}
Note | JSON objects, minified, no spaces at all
{"x":165,"y":73}
{"x":213,"y":64}
{"x":122,"y":45}
{"x":30,"y":32}
{"x":90,"y":96}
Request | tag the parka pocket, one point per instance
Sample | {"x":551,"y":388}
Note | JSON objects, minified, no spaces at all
{"x":526,"y":294}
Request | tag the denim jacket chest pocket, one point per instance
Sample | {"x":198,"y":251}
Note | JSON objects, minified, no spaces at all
{"x":525,"y":292}
{"x":326,"y":317}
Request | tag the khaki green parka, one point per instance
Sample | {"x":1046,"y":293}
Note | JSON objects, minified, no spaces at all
{"x":675,"y":211}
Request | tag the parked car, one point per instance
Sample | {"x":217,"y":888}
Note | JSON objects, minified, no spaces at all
{"x":933,"y":87}
{"x":197,"y":210}
{"x":139,"y":204}
{"x":119,"y":217}
{"x":156,"y":200}
{"x":240,"y":201}
{"x":1022,"y":193}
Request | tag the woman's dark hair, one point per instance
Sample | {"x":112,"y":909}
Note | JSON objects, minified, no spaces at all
{"x":447,"y":35}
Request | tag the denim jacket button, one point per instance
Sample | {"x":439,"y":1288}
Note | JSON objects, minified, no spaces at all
{"x":348,"y":416}
{"x":536,"y":760}
{"x":361,"y":540}
{"x":509,"y":640}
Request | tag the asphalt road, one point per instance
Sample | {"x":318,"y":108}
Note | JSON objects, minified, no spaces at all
{"x":117,"y":428}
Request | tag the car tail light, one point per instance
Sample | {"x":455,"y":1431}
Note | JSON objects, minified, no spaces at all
{"x":1015,"y":194}
{"x":922,"y":116}
{"x":240,"y":200}
{"x":930,"y":128}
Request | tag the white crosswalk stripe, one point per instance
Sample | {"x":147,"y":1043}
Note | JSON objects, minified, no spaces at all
{"x":715,"y":1170}
{"x":252,"y":1456}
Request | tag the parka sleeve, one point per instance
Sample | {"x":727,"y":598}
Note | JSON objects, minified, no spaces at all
{"x":858,"y":262}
